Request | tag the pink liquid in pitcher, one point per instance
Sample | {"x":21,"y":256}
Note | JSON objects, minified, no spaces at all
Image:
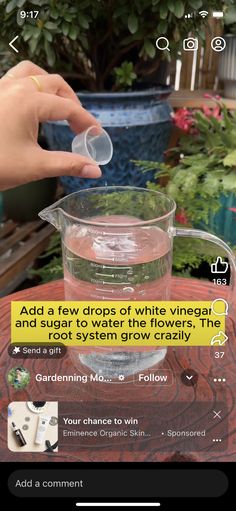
{"x":117,"y":263}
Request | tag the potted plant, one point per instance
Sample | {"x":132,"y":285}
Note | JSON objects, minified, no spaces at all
{"x":227,"y":60}
{"x":200,"y":174}
{"x":107,"y":50}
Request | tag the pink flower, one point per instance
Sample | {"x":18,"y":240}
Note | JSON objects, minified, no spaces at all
{"x":183,"y":119}
{"x":212,"y":112}
{"x":211,"y":96}
{"x":181,"y":217}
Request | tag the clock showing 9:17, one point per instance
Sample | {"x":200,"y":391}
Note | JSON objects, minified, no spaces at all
{"x":29,"y":14}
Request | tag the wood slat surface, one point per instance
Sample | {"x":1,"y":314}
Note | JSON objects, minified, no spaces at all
{"x":178,"y":359}
{"x":24,"y":255}
{"x":19,"y":234}
{"x":7,"y":228}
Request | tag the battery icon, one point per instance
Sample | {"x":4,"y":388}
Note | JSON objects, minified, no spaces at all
{"x":218,"y":14}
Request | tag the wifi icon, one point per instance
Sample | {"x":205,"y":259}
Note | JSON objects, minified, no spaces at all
{"x":203,"y":14}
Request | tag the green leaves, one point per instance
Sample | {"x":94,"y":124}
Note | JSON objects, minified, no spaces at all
{"x":48,"y":36}
{"x":206,"y":170}
{"x":83,"y":21}
{"x":20,"y":3}
{"x":202,"y":122}
{"x":50,"y":25}
{"x":11,"y":6}
{"x":125,"y":74}
{"x":149,"y":48}
{"x":73,"y":33}
{"x":179,"y":9}
{"x":33,"y":45}
{"x":163,"y":11}
{"x":31,"y":32}
{"x":171,"y":5}
{"x":132,"y":23}
{"x":230,"y":160}
{"x":86,"y":36}
{"x":230,"y":15}
{"x":65,"y":28}
{"x":212,"y":184}
{"x":229,"y":182}
{"x":195,"y":4}
{"x":51,"y":57}
{"x":162,"y":27}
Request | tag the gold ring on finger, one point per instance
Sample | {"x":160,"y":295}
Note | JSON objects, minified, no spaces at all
{"x":37,"y":82}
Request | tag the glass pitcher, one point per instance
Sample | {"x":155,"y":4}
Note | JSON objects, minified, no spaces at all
{"x":117,"y":245}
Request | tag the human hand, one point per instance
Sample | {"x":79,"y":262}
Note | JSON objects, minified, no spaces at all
{"x":22,"y":107}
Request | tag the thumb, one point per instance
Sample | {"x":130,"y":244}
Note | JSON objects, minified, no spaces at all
{"x":59,"y":163}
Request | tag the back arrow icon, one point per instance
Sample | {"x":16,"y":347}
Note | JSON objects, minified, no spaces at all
{"x":11,"y":44}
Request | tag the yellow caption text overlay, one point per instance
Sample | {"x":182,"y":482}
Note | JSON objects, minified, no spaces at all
{"x":117,"y":323}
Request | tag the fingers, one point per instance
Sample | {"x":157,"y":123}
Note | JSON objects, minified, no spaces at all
{"x":50,"y":102}
{"x":58,"y":163}
{"x":54,"y":108}
{"x":51,"y":84}
{"x":23,"y":69}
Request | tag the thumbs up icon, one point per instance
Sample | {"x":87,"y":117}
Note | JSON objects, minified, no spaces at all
{"x":219,"y":339}
{"x":219,"y":266}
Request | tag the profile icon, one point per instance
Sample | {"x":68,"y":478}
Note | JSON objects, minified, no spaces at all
{"x":18,"y":377}
{"x":218,"y":44}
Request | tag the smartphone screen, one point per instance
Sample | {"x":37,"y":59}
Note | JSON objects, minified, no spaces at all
{"x":117,"y":290}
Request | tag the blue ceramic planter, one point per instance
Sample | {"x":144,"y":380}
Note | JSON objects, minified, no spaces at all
{"x":139,"y":124}
{"x":223,"y":223}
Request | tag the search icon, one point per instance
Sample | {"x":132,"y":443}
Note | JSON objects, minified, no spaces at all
{"x":217,"y":308}
{"x":162,"y":43}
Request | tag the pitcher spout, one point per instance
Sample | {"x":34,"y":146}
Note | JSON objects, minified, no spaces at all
{"x":53,"y":214}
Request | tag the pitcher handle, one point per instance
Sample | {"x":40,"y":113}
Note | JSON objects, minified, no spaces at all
{"x":197,"y":233}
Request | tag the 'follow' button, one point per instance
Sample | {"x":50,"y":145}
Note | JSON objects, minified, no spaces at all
{"x":160,"y":377}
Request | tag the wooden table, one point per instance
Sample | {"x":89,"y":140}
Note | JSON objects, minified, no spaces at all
{"x":178,"y":359}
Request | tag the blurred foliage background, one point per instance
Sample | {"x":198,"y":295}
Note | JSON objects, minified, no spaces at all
{"x":101,"y":44}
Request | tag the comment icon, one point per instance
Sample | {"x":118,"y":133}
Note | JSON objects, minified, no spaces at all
{"x":220,"y":307}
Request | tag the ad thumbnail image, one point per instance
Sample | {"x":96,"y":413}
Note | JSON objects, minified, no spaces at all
{"x":33,"y":426}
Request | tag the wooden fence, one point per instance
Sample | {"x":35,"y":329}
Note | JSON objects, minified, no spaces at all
{"x":198,"y":69}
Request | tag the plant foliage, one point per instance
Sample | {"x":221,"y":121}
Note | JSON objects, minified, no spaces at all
{"x":205,"y":169}
{"x":91,"y":39}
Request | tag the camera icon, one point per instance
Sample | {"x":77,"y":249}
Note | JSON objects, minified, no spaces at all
{"x":190,"y":44}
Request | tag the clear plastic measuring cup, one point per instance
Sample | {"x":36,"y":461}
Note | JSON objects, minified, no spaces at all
{"x":94,"y":143}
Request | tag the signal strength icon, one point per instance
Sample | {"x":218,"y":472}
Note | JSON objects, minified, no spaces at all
{"x":190,"y":15}
{"x":203,"y":14}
